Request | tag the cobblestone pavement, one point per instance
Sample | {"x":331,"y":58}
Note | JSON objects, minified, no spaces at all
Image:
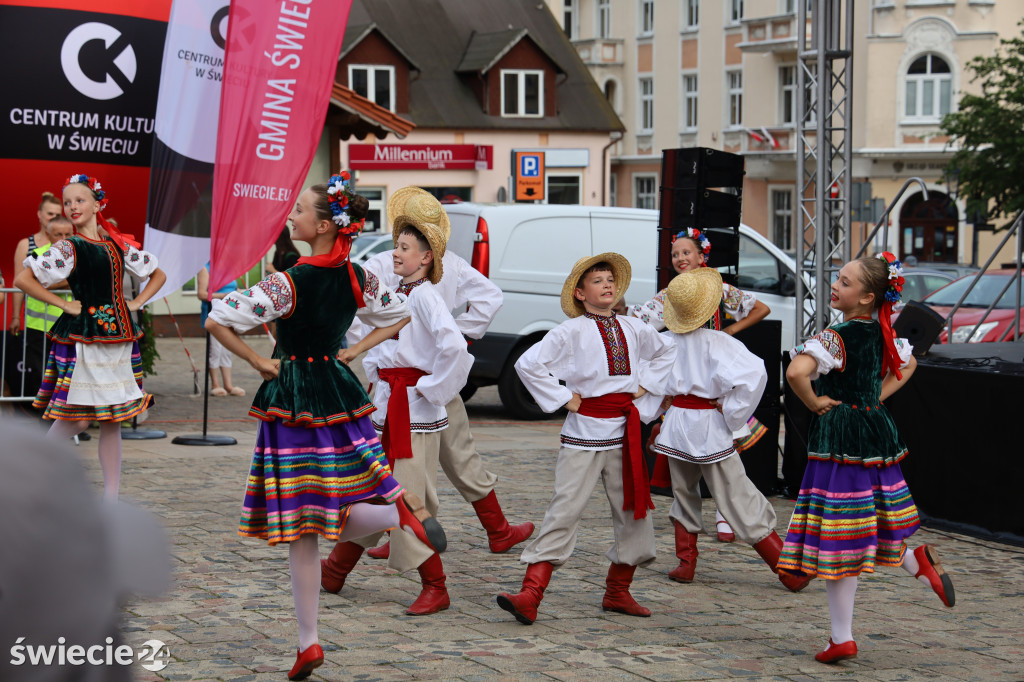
{"x":229,"y":613}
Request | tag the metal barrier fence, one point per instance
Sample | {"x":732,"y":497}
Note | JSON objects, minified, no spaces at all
{"x":16,"y":356}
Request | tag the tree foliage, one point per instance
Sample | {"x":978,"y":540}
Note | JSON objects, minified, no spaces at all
{"x":988,"y":128}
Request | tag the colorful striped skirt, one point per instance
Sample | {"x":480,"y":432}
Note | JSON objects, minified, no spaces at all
{"x":848,"y":519}
{"x":302,"y":480}
{"x":57,"y":381}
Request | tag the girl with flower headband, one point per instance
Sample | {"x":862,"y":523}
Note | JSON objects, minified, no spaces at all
{"x":854,"y":511}
{"x":94,"y":370}
{"x":318,"y":468}
{"x":690,"y":250}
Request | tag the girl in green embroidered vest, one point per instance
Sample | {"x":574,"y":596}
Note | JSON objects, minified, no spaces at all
{"x":94,"y":370}
{"x":854,"y":510}
{"x":318,"y":468}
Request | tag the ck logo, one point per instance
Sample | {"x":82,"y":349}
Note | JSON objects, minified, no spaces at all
{"x":93,"y":51}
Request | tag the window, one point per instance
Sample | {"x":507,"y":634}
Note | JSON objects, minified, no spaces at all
{"x":690,"y":102}
{"x":646,"y":17}
{"x":734,"y":82}
{"x":604,"y":18}
{"x":522,"y":93}
{"x":570,"y":11}
{"x":787,"y":95}
{"x":613,"y":189}
{"x":610,"y":93}
{"x":790,"y":6}
{"x":782,"y":218}
{"x":928,"y":88}
{"x":375,"y":197}
{"x":375,"y":83}
{"x":646,"y":105}
{"x":646,"y":191}
{"x":563,"y":189}
{"x":810,"y":95}
{"x":735,"y":11}
{"x":692,"y":13}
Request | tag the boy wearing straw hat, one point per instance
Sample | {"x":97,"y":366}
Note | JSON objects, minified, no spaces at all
{"x":463,"y":288}
{"x":415,"y":374}
{"x":713,"y":387}
{"x":604,"y":361}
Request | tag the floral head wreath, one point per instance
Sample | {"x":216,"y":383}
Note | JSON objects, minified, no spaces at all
{"x":339,"y":194}
{"x":698,"y":237}
{"x":896,"y":280}
{"x":891,"y":359}
{"x":91,"y":183}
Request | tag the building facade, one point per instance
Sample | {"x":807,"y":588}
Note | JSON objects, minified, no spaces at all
{"x":723,"y":74}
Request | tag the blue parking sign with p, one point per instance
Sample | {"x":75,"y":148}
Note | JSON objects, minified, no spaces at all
{"x":529,"y":165}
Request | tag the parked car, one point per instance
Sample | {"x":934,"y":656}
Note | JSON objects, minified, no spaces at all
{"x":528,"y":249}
{"x":997,"y":325}
{"x":919,"y":282}
{"x":369,"y":244}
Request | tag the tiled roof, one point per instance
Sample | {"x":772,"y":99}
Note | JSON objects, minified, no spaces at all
{"x":359,"y":116}
{"x":437,"y":36}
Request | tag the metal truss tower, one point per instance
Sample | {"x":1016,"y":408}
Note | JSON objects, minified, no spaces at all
{"x":824,"y":154}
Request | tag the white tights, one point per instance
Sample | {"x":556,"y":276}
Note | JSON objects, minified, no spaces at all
{"x":304,"y":561}
{"x":109,"y":449}
{"x":841,"y":594}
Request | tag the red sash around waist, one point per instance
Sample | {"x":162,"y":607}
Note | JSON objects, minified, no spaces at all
{"x":636,"y":490}
{"x":693,"y":402}
{"x":397,"y":425}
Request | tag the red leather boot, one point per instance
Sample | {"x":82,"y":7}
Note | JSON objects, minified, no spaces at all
{"x":770,"y":549}
{"x":928,"y":565}
{"x":306,"y":662}
{"x":500,"y":536}
{"x":686,"y":550}
{"x":382,"y":552}
{"x":434,"y":596}
{"x":616,"y":595}
{"x":335,"y":568}
{"x":524,"y":605}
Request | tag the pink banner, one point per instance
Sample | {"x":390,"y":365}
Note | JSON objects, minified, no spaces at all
{"x":278,"y":71}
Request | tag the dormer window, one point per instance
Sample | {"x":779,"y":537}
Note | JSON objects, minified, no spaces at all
{"x":375,"y":83}
{"x":522,"y":93}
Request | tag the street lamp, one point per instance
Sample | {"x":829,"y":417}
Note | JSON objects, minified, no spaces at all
{"x":951,"y":178}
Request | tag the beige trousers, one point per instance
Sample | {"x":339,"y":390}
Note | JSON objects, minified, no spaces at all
{"x":741,"y":503}
{"x":418,"y":475}
{"x":576,"y":476}
{"x":460,"y":461}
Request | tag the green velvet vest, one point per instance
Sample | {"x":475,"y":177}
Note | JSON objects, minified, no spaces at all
{"x":312,"y":388}
{"x":860,"y":431}
{"x":97,"y":280}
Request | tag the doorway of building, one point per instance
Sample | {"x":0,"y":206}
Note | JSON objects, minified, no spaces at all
{"x":929,"y":228}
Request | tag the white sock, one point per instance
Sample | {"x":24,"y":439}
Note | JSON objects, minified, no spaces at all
{"x":366,"y":519}
{"x":304,"y":562}
{"x":110,"y":458}
{"x":911,"y":565}
{"x":841,"y":594}
{"x":719,"y":519}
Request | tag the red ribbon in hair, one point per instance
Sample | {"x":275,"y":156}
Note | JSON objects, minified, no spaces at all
{"x":890,"y":358}
{"x":122,"y":240}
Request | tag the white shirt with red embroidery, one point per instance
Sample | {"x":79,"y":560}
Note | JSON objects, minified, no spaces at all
{"x":708,"y":364}
{"x":594,"y":360}
{"x":56,"y":263}
{"x":272,"y":297}
{"x":431,"y":342}
{"x":737,"y":304}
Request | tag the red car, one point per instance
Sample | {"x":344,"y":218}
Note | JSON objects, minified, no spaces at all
{"x":997,"y":325}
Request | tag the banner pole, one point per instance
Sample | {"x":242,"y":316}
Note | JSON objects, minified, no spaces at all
{"x":205,"y":438}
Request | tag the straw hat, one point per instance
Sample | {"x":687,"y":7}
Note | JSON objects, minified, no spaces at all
{"x":621,"y":271}
{"x":414,"y":207}
{"x":418,"y":202}
{"x":692,"y":298}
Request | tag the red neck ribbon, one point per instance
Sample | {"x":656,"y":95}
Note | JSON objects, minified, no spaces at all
{"x":337,"y":256}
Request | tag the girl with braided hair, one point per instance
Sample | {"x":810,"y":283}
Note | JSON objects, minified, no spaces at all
{"x":854,"y":511}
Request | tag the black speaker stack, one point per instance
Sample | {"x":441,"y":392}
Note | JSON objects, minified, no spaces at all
{"x":761,"y":460}
{"x":701,"y":188}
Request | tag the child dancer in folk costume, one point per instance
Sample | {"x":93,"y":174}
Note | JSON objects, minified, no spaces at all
{"x":415,"y":374}
{"x":318,"y":468}
{"x":854,"y":510}
{"x":605,"y":360}
{"x":690,"y":250}
{"x":714,"y":386}
{"x":94,"y":371}
{"x":461,"y":285}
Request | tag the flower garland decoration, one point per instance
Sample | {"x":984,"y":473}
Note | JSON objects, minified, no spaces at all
{"x":697,"y":236}
{"x":91,"y":183}
{"x":896,"y":279}
{"x":339,"y":193}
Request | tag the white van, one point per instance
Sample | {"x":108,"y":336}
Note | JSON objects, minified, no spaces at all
{"x":528,"y":249}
